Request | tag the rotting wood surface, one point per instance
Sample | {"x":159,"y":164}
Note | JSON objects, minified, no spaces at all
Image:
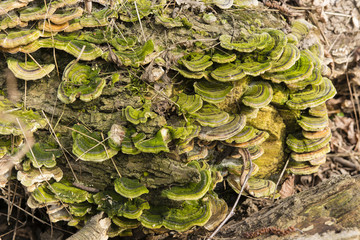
{"x":330,"y":206}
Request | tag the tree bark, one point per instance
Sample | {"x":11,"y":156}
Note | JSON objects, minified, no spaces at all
{"x":329,"y":208}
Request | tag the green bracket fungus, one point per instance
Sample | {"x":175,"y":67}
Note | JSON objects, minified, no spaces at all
{"x":156,"y":144}
{"x":75,"y":47}
{"x":300,"y":29}
{"x":89,"y":146}
{"x":168,"y":22}
{"x":121,"y":44}
{"x":197,"y":154}
{"x":43,"y":155}
{"x":114,"y":204}
{"x":15,"y":39}
{"x":255,"y":187}
{"x":302,"y":168}
{"x":127,"y":146}
{"x":219,"y":210}
{"x":42,"y":194}
{"x":69,"y":194}
{"x":260,"y":187}
{"x":30,"y":121}
{"x":188,"y":103}
{"x":228,"y":72}
{"x":129,"y":188}
{"x":302,"y":69}
{"x":80,"y":209}
{"x":316,"y":134}
{"x":11,"y":20}
{"x":8,"y":5}
{"x":308,"y":156}
{"x":58,"y":212}
{"x":214,"y":95}
{"x":288,"y":58}
{"x":136,"y":116}
{"x":259,"y":94}
{"x":188,"y":74}
{"x":35,"y":13}
{"x":29,"y":70}
{"x":134,"y":10}
{"x":212,"y":92}
{"x":310,"y":123}
{"x":300,"y":144}
{"x":256,"y":152}
{"x":255,"y":68}
{"x":125,"y":223}
{"x":259,"y":138}
{"x":98,"y":19}
{"x":211,"y":116}
{"x":66,"y":16}
{"x":312,"y":96}
{"x":237,"y":170}
{"x":33,"y":176}
{"x":132,"y":57}
{"x":224,"y":132}
{"x":319,"y":110}
{"x":196,"y":62}
{"x":223,"y":57}
{"x":191,"y":191}
{"x":253,"y":42}
{"x":80,"y":81}
{"x":191,"y":213}
{"x":277,"y":49}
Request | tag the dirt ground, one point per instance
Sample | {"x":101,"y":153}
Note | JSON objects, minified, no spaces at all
{"x":338,"y":22}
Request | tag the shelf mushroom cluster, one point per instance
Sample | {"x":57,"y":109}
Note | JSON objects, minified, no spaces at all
{"x":222,"y":91}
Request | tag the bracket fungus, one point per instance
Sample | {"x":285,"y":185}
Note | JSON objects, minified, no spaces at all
{"x":173,"y":138}
{"x":80,"y":81}
{"x":89,"y":146}
{"x":29,"y":70}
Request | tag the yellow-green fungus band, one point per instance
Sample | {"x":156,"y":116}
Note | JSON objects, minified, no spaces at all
{"x":288,"y":58}
{"x":188,"y":103}
{"x":258,"y":94}
{"x":191,"y":191}
{"x":302,"y":168}
{"x":226,"y":131}
{"x":312,"y":95}
{"x":302,"y":69}
{"x":196,"y":62}
{"x":310,"y":123}
{"x":307,"y":156}
{"x":212,"y":92}
{"x":211,"y":116}
{"x":129,"y":188}
{"x":69,"y":194}
{"x":29,"y":70}
{"x":43,"y":155}
{"x":89,"y":146}
{"x":228,"y":72}
{"x":300,"y":144}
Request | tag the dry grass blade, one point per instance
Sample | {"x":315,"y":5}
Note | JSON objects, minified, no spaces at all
{"x":246,"y":157}
{"x":281,"y":175}
{"x":61,"y":146}
{"x":138,"y":15}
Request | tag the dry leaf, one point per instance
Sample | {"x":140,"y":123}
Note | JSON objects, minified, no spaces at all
{"x":287,"y":188}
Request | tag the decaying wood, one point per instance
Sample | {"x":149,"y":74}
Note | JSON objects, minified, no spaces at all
{"x":328,"y":208}
{"x":95,"y":229}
